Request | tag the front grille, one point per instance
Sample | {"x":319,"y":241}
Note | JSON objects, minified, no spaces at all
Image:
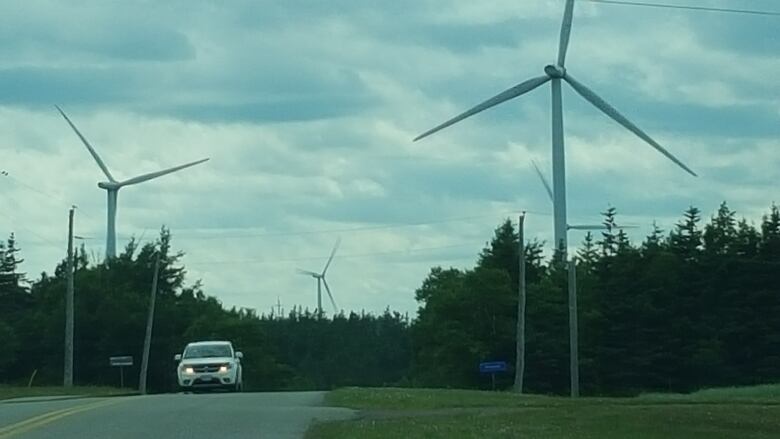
{"x":205,"y":383}
{"x":206,"y":368}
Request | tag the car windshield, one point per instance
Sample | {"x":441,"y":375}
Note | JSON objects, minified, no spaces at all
{"x":208,"y":351}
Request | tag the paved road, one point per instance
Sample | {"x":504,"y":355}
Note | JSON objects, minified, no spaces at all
{"x":219,"y":415}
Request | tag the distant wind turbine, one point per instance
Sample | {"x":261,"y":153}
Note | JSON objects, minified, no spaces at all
{"x":556,"y":73}
{"x":321,"y":280}
{"x":112,"y":186}
{"x":586,"y":227}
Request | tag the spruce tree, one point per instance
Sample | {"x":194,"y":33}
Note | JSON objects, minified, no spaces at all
{"x":654,"y":241}
{"x":686,"y":239}
{"x":502,"y":251}
{"x":770,"y":235}
{"x":719,"y":235}
{"x":748,"y":240}
{"x":11,"y":280}
{"x":609,"y":242}
{"x":588,"y":254}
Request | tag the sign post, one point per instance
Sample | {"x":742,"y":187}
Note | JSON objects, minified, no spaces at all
{"x":121,"y":363}
{"x":493,"y":367}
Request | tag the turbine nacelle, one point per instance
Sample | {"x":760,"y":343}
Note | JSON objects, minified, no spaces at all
{"x":311,"y":274}
{"x":109,"y":185}
{"x":112,"y":186}
{"x":555,"y":72}
{"x":321,"y":280}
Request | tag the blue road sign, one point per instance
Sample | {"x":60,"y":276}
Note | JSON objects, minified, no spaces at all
{"x":493,"y":367}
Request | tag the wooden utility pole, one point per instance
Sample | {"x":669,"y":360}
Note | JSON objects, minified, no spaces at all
{"x":149,"y":324}
{"x":520,"y":339}
{"x":573,"y":331}
{"x":68,"y":372}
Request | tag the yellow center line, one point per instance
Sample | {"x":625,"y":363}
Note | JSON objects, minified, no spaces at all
{"x":47,"y":418}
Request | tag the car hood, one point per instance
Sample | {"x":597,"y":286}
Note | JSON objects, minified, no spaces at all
{"x":209,"y":360}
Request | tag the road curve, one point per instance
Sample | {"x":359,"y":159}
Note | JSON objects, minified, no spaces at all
{"x":191,"y":416}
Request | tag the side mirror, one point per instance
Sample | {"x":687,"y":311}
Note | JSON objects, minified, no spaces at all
{"x":177,"y":357}
{"x":239,"y":355}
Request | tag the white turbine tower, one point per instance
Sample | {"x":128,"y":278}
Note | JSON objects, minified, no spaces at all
{"x":555,"y":74}
{"x":321,"y":280}
{"x":112,"y":186}
{"x":584,"y":227}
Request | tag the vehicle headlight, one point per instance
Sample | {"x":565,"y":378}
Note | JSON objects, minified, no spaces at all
{"x":189,"y":370}
{"x":225,"y":367}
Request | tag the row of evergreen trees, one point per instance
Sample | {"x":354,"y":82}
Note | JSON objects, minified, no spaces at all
{"x":697,"y":307}
{"x":694,"y":307}
{"x":300,"y":351}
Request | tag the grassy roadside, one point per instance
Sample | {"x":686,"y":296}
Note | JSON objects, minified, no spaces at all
{"x":10,"y":392}
{"x":410,"y":413}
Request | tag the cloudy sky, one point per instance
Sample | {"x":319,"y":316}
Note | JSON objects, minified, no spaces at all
{"x":307,"y":110}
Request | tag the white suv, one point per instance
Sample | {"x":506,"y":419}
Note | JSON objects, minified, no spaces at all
{"x":209,"y":365}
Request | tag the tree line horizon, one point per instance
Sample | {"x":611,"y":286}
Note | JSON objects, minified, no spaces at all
{"x":697,"y":306}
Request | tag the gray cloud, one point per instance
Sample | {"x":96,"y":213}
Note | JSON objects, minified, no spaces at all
{"x":308,"y":109}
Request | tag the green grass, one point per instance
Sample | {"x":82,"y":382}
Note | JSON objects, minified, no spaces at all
{"x":415,"y":399}
{"x":769,"y":393}
{"x":749,"y":413}
{"x":9,"y":392}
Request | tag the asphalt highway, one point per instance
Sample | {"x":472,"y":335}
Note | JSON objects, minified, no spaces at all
{"x":191,"y":416}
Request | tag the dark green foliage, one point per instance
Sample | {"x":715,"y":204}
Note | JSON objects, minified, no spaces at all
{"x":479,"y":305}
{"x":587,"y":254}
{"x":770,"y":234}
{"x":111,"y":304}
{"x":10,"y":348}
{"x":697,"y":308}
{"x":15,"y":305}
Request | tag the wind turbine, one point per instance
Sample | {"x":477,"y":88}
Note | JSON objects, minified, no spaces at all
{"x":112,"y":186}
{"x":555,"y":74}
{"x":321,"y":280}
{"x":585,"y":227}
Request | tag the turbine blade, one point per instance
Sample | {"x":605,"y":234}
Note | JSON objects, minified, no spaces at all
{"x":600,"y":227}
{"x":153,"y":175}
{"x":610,"y":111}
{"x":544,"y":180}
{"x":308,"y":273}
{"x":563,"y":47}
{"x":588,"y":227}
{"x":92,"y":151}
{"x":332,"y":253}
{"x":333,"y":302}
{"x":504,"y":96}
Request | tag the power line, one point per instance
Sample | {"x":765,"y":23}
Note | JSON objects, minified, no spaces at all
{"x":347,"y":256}
{"x":15,"y":225}
{"x":43,"y":240}
{"x":27,"y":186}
{"x":688,"y":7}
{"x":23,"y":185}
{"x":346,"y":229}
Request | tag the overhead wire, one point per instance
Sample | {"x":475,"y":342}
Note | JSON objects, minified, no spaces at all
{"x":688,"y":7}
{"x":346,"y":229}
{"x":346,"y":256}
{"x":369,"y":254}
{"x":19,"y":183}
{"x":15,"y":224}
{"x":43,"y":240}
{"x":388,"y":226}
{"x":421,"y":223}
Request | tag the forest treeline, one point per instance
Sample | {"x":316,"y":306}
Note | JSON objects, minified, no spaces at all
{"x":696,"y":306}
